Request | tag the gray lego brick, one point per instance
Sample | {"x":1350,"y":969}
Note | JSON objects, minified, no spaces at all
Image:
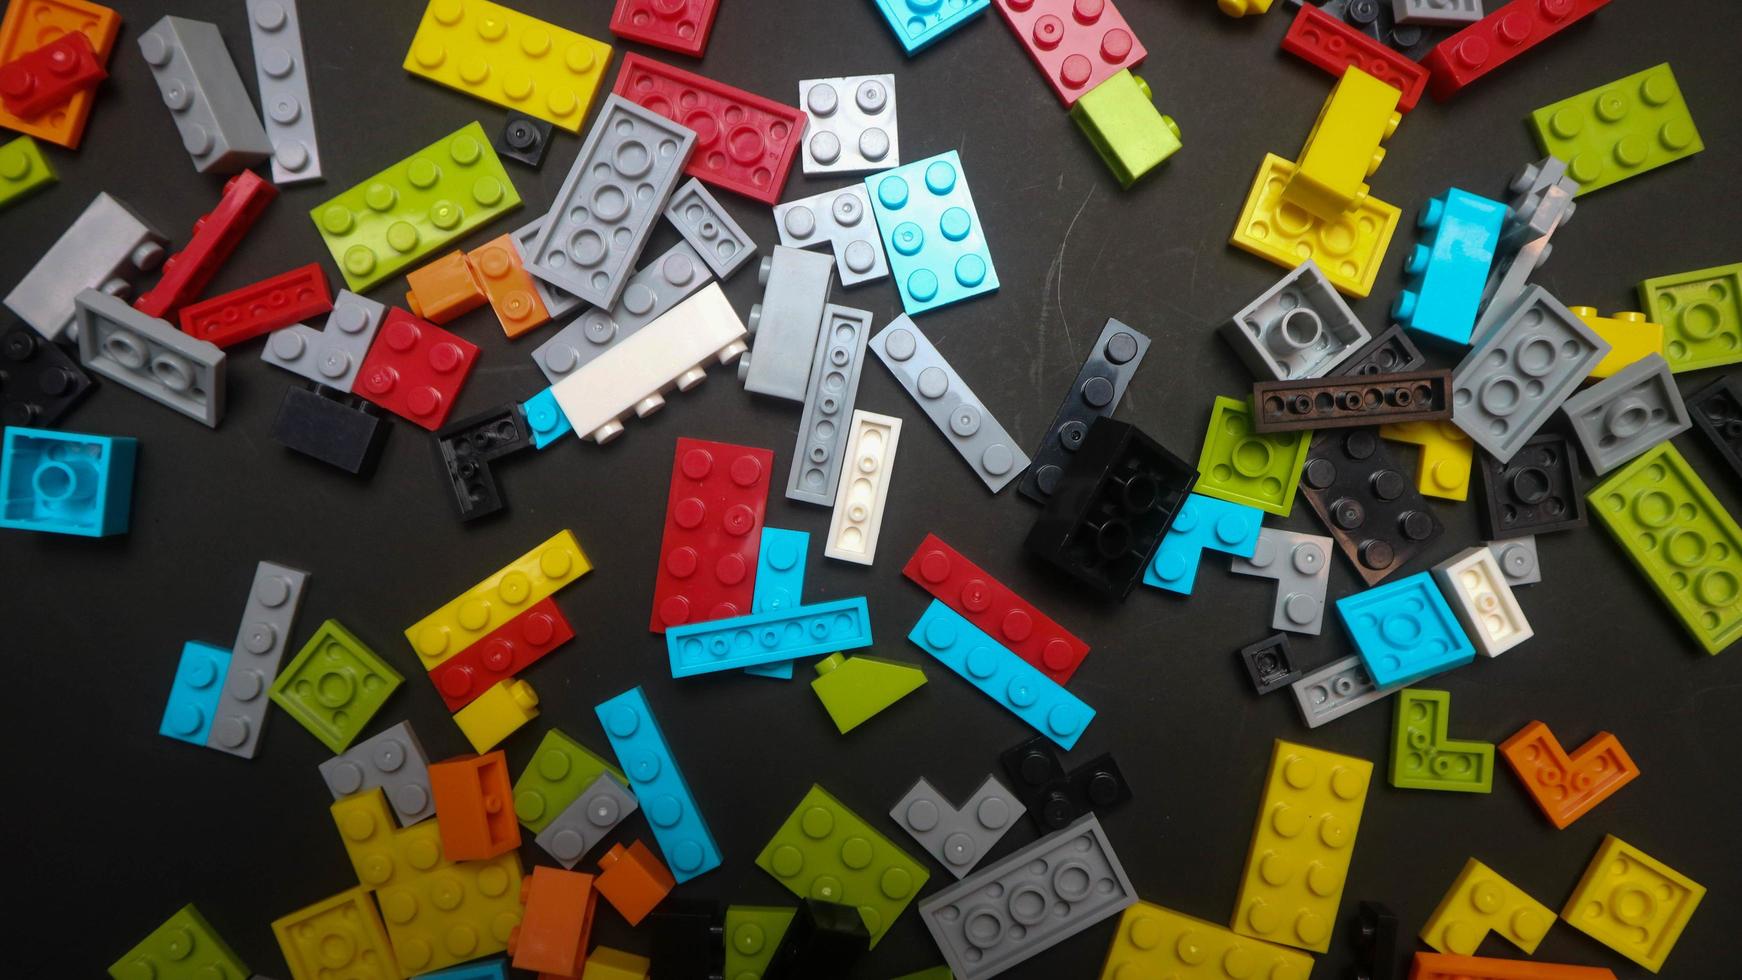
{"x":707,"y":226}
{"x":107,"y":248}
{"x":1627,"y":413}
{"x":204,"y":95}
{"x":1094,"y":394}
{"x":394,"y":761}
{"x":842,"y":219}
{"x":281,"y":71}
{"x":1518,"y":560}
{"x":1437,"y":13}
{"x":949,"y":403}
{"x":585,"y":822}
{"x":1336,"y":689}
{"x":1301,"y":565}
{"x":151,"y":357}
{"x":851,"y":124}
{"x":331,"y":356}
{"x":1512,"y":381}
{"x":615,"y":192}
{"x":1541,"y":201}
{"x":1029,"y":902}
{"x":785,"y":324}
{"x":1297,"y":329}
{"x":958,"y":838}
{"x":655,"y":288}
{"x":254,"y":658}
{"x":829,"y":397}
{"x":556,"y":302}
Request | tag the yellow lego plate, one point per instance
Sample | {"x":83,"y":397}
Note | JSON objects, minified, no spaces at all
{"x":1446,"y":456}
{"x":1480,"y":902}
{"x":1633,"y":903}
{"x":503,"y":56}
{"x":1157,"y":942}
{"x":1349,"y":250}
{"x":530,"y":578}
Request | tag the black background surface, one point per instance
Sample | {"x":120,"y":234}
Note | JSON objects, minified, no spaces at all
{"x":121,"y":826}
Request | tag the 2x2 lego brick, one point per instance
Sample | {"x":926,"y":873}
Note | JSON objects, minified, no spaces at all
{"x":39,"y":383}
{"x":151,"y":357}
{"x":1297,"y":329}
{"x":852,"y":125}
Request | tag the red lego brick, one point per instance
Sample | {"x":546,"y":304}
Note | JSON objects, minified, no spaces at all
{"x":215,"y":236}
{"x":1444,"y":966}
{"x":503,"y":652}
{"x":1504,"y":34}
{"x":1564,"y":786}
{"x":1078,"y":44}
{"x":989,"y":604}
{"x":474,"y":803}
{"x":415,"y":369}
{"x":675,"y":25}
{"x":265,"y":306}
{"x":744,"y":142}
{"x":37,"y":81}
{"x":713,"y":533}
{"x":553,"y":935}
{"x":1330,"y":44}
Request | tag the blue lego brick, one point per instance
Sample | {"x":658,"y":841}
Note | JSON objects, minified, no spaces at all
{"x":779,"y":583}
{"x":66,"y":482}
{"x":768,"y":637}
{"x":678,"y":827}
{"x":1405,"y":631}
{"x":546,"y":419}
{"x":1001,"y":675}
{"x":193,"y":697}
{"x":1204,"y":522}
{"x":937,"y":249}
{"x":489,"y":970}
{"x":919,"y":23}
{"x":1448,"y":269}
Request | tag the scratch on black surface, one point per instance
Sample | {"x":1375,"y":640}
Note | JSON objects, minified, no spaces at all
{"x":1055,"y":280}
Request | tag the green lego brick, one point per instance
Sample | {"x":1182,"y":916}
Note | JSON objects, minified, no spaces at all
{"x":1666,"y":519}
{"x":415,"y":207}
{"x":1619,"y":130}
{"x":23,"y":171}
{"x":853,"y":690}
{"x":560,"y":770}
{"x":184,"y":948}
{"x":930,"y":973}
{"x":753,"y":933}
{"x":1245,"y":467}
{"x":1423,"y":757}
{"x":825,"y":851}
{"x":334,"y":686}
{"x":1701,"y":314}
{"x":1127,"y":130}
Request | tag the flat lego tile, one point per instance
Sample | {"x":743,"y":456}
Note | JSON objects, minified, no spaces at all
{"x":204,"y":94}
{"x":829,"y":397}
{"x":918,"y":24}
{"x":1448,"y":268}
{"x":1344,"y":147}
{"x":1701,"y":313}
{"x":39,"y":383}
{"x":1242,"y":466}
{"x":261,"y":641}
{"x":709,"y":228}
{"x":1301,"y":565}
{"x":1424,"y":756}
{"x":339,"y":936}
{"x":195,"y":692}
{"x":66,"y":482}
{"x":1717,"y":410}
{"x":415,"y":369}
{"x":333,"y":355}
{"x":281,"y":71}
{"x":1619,"y":130}
{"x":1122,"y":123}
{"x":1100,"y":384}
{"x":23,"y":169}
{"x":184,"y":946}
{"x":1349,"y":250}
{"x":1342,"y":403}
{"x":1446,"y":456}
{"x":852,"y":126}
{"x":958,"y":837}
{"x":842,"y":219}
{"x":505,"y":57}
{"x":1336,"y":689}
{"x":854,"y":690}
{"x":1481,"y":598}
{"x":1329,"y":44}
{"x":395,"y":763}
{"x":1626,"y":414}
{"x":28,"y":25}
{"x":931,"y":232}
{"x":678,"y":827}
{"x":1076,"y":46}
{"x":334,"y":686}
{"x":774,"y":636}
{"x":1404,"y":630}
{"x":868,"y":467}
{"x":560,"y":772}
{"x":1480,"y":902}
{"x":1633,"y":903}
{"x":682,"y":26}
{"x":786,"y":323}
{"x":1505,"y":33}
{"x":107,"y":246}
{"x":1630,"y":337}
{"x":652,"y":291}
{"x":338,"y":429}
{"x":1297,"y":329}
{"x":1153,"y":941}
{"x":1364,"y":499}
{"x":1538,"y":492}
{"x":713,"y":532}
{"x":585,"y":822}
{"x":258,"y":308}
{"x":151,"y":357}
{"x":1567,"y":786}
{"x":1203,"y":524}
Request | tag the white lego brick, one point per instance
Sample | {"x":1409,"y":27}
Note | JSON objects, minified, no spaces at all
{"x":851,"y":126}
{"x":869,"y":465}
{"x":281,"y":70}
{"x":107,"y":248}
{"x":1480,"y":598}
{"x":841,"y":219}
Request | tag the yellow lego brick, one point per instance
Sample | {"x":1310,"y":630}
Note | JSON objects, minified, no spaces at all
{"x":530,"y":578}
{"x":1302,"y":846}
{"x":340,"y":938}
{"x":1349,"y":249}
{"x":1446,"y":455}
{"x":497,"y":713}
{"x":1243,"y":8}
{"x":382,"y":854}
{"x":23,"y":170}
{"x":503,"y":56}
{"x":1344,"y":148}
{"x":1157,"y":942}
{"x":1633,"y":903}
{"x":1630,"y":335}
{"x":605,"y":963}
{"x":1480,"y":902}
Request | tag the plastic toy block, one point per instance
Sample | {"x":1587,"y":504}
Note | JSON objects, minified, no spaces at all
{"x":41,"y":79}
{"x":465,"y":451}
{"x":780,"y":568}
{"x":768,"y":637}
{"x":1717,"y":410}
{"x":23,"y":170}
{"x":1375,"y":941}
{"x":1153,"y":941}
{"x":1504,"y":34}
{"x":415,"y":369}
{"x":491,"y":970}
{"x":918,"y":24}
{"x":854,"y":690}
{"x":1632,"y":903}
{"x":713,"y":532}
{"x":1629,"y":335}
{"x":826,"y":851}
{"x":1628,"y":413}
{"x":1122,"y":123}
{"x":1336,"y":689}
{"x":149,"y":356}
{"x":333,"y":355}
{"x":1389,"y":352}
{"x":1691,"y":565}
{"x":523,"y":139}
{"x":28,"y":25}
{"x":654,"y":777}
{"x":584,"y":823}
{"x":1056,"y":799}
{"x":393,"y":762}
{"x":500,"y":711}
{"x":984,"y":924}
{"x":1348,"y":250}
{"x":1077,"y":46}
{"x":1288,"y":406}
{"x":331,"y":426}
{"x":655,"y":289}
{"x":1447,"y":270}
{"x":1423,"y":756}
{"x":553,"y":936}
{"x":1405,"y":631}
{"x":472,"y":800}
{"x":1441,"y":13}
{"x":556,"y":301}
{"x":1327,"y":43}
{"x":66,"y":482}
{"x":744,"y":142}
{"x":1479,"y":902}
{"x":1203,"y":523}
{"x":445,"y":289}
{"x":1541,"y":201}
{"x":1446,"y":456}
{"x":682,"y":26}
{"x":107,"y":247}
{"x":1344,"y":147}
{"x":786,"y":323}
{"x":560,"y":772}
{"x":261,"y":640}
{"x":1300,"y":563}
{"x":851,"y":124}
{"x":1364,"y":499}
{"x":1244,"y":8}
{"x":545,"y":419}
{"x":930,"y":973}
{"x":1539,"y":491}
{"x":1566,"y":787}
{"x":195,"y":693}
{"x":39,"y":383}
{"x":932,"y":233}
{"x":688,"y":937}
{"x":1701,"y":313}
{"x":268,"y":305}
{"x":1111,"y":507}
{"x":280,"y":68}
{"x":842,"y":219}
{"x":633,"y":880}
{"x":709,"y":228}
{"x":1297,"y":329}
{"x":868,"y":467}
{"x":340,"y":936}
{"x":1619,"y":130}
{"x":1020,"y":687}
{"x":823,"y":939}
{"x":1518,"y":560}
{"x":753,"y":933}
{"x":504,"y":653}
{"x":215,"y":236}
{"x":381,"y":855}
{"x":1242,"y":466}
{"x":204,"y":94}
{"x":183,"y":948}
{"x":1270,"y":663}
{"x":511,"y":290}
{"x":1100,"y":384}
{"x":1440,"y":966}
{"x":507,"y":58}
{"x":605,"y":963}
{"x":830,"y":394}
{"x":950,"y":404}
{"x":334,"y":685}
{"x":1482,"y":600}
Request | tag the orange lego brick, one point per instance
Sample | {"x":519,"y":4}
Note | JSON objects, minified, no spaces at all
{"x":1564,"y":786}
{"x":29,"y":25}
{"x":552,"y":938}
{"x":1445,"y":966}
{"x":444,"y":289}
{"x":633,"y":880}
{"x":474,"y":803}
{"x":513,"y":296}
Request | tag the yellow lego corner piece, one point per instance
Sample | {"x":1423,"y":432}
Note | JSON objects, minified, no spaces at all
{"x":1344,"y":147}
{"x":1633,"y":903}
{"x":532,"y":577}
{"x":497,"y":713}
{"x":1446,"y":456}
{"x":381,"y":853}
{"x":508,"y":58}
{"x":339,"y":937}
{"x":1349,"y":250}
{"x":1481,"y":901}
{"x":1630,"y":335}
{"x":1157,"y":942}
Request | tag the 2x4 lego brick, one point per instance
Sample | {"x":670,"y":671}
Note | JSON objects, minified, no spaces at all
{"x":508,"y":58}
{"x":713,"y":532}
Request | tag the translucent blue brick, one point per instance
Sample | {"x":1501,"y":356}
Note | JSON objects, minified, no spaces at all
{"x":1204,"y":522}
{"x":1447,"y":270}
{"x":1405,"y":631}
{"x":937,"y":250}
{"x":193,"y":697}
{"x":1001,"y":675}
{"x":65,"y":482}
{"x":678,"y":827}
{"x":919,"y":23}
{"x":768,"y":637}
{"x":546,"y":419}
{"x":489,"y":970}
{"x":779,"y":583}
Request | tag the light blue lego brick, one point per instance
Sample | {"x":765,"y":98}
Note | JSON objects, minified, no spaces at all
{"x":1405,"y":631}
{"x":546,"y":419}
{"x":1204,"y":522}
{"x":937,"y":249}
{"x":1001,"y":675}
{"x":768,"y":637}
{"x":489,"y":970}
{"x":779,"y":584}
{"x":193,"y":697}
{"x":678,"y":827}
{"x":919,"y":23}
{"x":1449,"y":266}
{"x":66,"y":482}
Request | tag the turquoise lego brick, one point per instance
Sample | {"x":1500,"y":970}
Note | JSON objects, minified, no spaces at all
{"x":1448,"y":269}
{"x":1001,"y":675}
{"x":678,"y":826}
{"x":1203,"y":523}
{"x":66,"y":482}
{"x":1619,"y":130}
{"x":768,"y":637}
{"x":780,"y":568}
{"x":193,"y":696}
{"x":931,"y":232}
{"x":1405,"y":631}
{"x":489,"y":970}
{"x":920,"y":23}
{"x":546,"y":419}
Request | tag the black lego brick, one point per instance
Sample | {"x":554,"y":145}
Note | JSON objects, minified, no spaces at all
{"x":1094,"y":394}
{"x":336,"y":428}
{"x":1717,"y":412}
{"x":466,"y":449}
{"x":1536,"y":492}
{"x":1367,"y":501}
{"x":39,"y":382}
{"x":1270,"y":663}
